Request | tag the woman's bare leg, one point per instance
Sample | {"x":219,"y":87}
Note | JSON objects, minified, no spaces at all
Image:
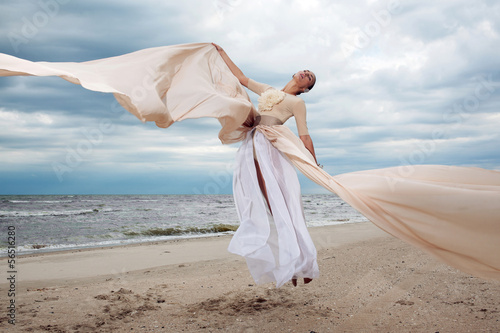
{"x":262,"y":184}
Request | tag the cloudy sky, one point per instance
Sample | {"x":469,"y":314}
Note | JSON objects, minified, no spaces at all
{"x":399,"y":82}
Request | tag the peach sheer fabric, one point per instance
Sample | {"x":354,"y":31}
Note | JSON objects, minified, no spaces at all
{"x":162,"y":84}
{"x":450,"y":212}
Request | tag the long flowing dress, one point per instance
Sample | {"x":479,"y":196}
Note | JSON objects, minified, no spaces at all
{"x":450,"y":212}
{"x":277,"y":245}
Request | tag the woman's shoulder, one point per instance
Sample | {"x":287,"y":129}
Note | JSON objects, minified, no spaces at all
{"x":296,"y":100}
{"x":258,"y":87}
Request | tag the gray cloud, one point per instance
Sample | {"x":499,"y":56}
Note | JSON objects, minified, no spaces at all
{"x":417,"y":73}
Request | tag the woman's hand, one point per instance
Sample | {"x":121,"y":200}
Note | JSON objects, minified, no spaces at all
{"x":308,"y":143}
{"x":218,"y":48}
{"x":234,"y":69}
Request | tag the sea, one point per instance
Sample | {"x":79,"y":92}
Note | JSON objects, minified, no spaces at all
{"x":44,"y":223}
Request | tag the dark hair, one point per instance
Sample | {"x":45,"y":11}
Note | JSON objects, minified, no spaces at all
{"x":312,"y":85}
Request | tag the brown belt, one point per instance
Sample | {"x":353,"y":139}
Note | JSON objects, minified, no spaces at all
{"x":267,"y":120}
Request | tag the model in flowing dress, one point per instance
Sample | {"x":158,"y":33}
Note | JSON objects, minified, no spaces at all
{"x":450,"y":212}
{"x":272,"y":236}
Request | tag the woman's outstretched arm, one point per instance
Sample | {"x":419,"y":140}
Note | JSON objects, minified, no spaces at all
{"x":234,"y":69}
{"x":308,"y":143}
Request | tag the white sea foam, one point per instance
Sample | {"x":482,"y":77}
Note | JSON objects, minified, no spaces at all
{"x":29,"y":248}
{"x":52,"y":213}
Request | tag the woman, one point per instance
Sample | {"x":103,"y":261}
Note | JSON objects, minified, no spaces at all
{"x":282,"y":249}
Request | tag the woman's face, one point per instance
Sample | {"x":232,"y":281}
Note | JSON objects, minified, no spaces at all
{"x":304,"y":78}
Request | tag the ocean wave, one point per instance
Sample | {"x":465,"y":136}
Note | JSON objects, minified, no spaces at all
{"x":35,"y":201}
{"x":40,"y":248}
{"x":175,"y":231}
{"x":145,"y":236}
{"x":37,"y":248}
{"x":54,"y":213}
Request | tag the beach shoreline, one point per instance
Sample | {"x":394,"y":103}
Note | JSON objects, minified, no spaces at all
{"x":312,"y":230}
{"x":107,"y":260}
{"x":370,"y":282}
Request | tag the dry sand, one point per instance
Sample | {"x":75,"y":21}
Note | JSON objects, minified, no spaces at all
{"x":370,"y":282}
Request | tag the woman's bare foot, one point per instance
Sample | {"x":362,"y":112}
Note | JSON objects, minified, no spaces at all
{"x":306,"y":281}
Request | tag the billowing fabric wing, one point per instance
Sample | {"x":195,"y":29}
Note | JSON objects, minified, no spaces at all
{"x":162,"y":84}
{"x":450,"y":212}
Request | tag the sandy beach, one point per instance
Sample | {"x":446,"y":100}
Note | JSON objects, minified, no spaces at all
{"x":370,"y":282}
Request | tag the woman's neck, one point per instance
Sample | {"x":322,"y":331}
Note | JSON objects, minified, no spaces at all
{"x":291,"y":88}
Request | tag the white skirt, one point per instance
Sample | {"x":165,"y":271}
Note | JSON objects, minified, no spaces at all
{"x":277,"y":246}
